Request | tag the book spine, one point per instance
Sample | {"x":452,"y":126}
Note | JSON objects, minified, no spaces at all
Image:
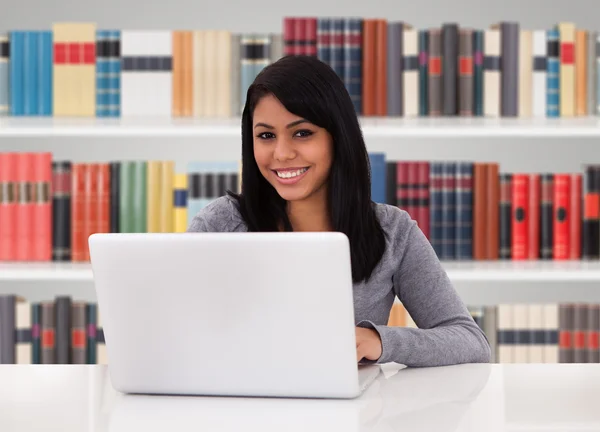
{"x":324,"y":40}
{"x":592,"y":70}
{"x":561,"y":216}
{"x":25,"y":207}
{"x":114,"y":70}
{"x":505,"y":225}
{"x":36,"y":342}
{"x":553,"y":74}
{"x":436,"y":208}
{"x":566,"y":325}
{"x":235,"y":78}
{"x":377,"y":162}
{"x":535,"y":326}
{"x":381,"y":68}
{"x":115,"y":187}
{"x":90,"y":208}
{"x":493,"y":211}
{"x":31,"y":65}
{"x":310,"y":46}
{"x":540,"y":67}
{"x":300,"y":33}
{"x":166,"y":210}
{"x":262,"y":53}
{"x":23,"y":337}
{"x":223,"y":69}
{"x":525,"y":79}
{"x":551,"y":318}
{"x":410,"y":73}
{"x":506,"y":334}
{"x":492,"y":72}
{"x":464,"y":211}
{"x":395,"y":50}
{"x":522,"y":333}
{"x":289,"y":36}
{"x":47,"y":333}
{"x":466,"y":73}
{"x":4,"y":75}
{"x":533,"y":242}
{"x":435,"y":72}
{"x":63,"y":329}
{"x":195,"y":189}
{"x":581,"y":89}
{"x":209,"y":71}
{"x":45,"y":71}
{"x":153,"y":197}
{"x":8,"y":206}
{"x":17,"y":73}
{"x":597,"y":78}
{"x":91,"y":332}
{"x":591,"y":213}
{"x":478,"y":55}
{"x":423,"y":217}
{"x":102,"y":74}
{"x":368,"y":67}
{"x":353,"y":61}
{"x":479,"y":210}
{"x":391,"y":183}
{"x":593,"y":341}
{"x":78,"y":333}
{"x":423,"y":72}
{"x":42,"y":207}
{"x":567,"y":69}
{"x":139,"y":220}
{"x":336,"y":46}
{"x":449,"y":210}
{"x":449,"y":68}
{"x":546,"y":216}
{"x":520,"y":217}
{"x":580,"y":333}
{"x":575,"y":200}
{"x":402,"y":185}
{"x":510,"y":32}
{"x":78,"y":221}
{"x":248,"y":57}
{"x":7,"y":329}
{"x":103,"y":198}
{"x":411,"y":191}
{"x":180,"y":202}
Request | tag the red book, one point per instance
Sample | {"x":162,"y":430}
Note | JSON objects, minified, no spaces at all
{"x":535,"y":187}
{"x":8,"y":206}
{"x":412,"y":206}
{"x":402,"y":182}
{"x":561,"y":217}
{"x":423,"y":196}
{"x":520,"y":217}
{"x":575,"y":217}
{"x":42,"y":207}
{"x":25,"y":210}
{"x":78,"y":174}
{"x":310,"y":45}
{"x":300,"y":34}
{"x":289,"y":36}
{"x":90,"y":207}
{"x":103,"y":198}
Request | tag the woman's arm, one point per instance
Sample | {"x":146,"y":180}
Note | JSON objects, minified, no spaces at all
{"x":446,"y":333}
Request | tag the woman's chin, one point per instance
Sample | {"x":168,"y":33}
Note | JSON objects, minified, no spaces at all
{"x":291,"y":193}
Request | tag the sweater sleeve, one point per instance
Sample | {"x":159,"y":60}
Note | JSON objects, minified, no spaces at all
{"x":446,"y":333}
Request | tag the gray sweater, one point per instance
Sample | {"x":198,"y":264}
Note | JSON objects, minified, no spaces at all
{"x":410,"y":270}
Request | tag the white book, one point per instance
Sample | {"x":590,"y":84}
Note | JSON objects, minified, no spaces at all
{"x":540,"y":56}
{"x":506,"y":332}
{"x":521,"y":326}
{"x":159,"y":82}
{"x":223,"y":72}
{"x":23,"y":350}
{"x":536,"y":329}
{"x":551,"y":351}
{"x":198,"y":72}
{"x":491,"y":76}
{"x":410,"y":78}
{"x":525,"y":73}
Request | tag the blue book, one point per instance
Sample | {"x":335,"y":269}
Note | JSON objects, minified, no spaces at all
{"x":17,"y":64}
{"x":436,"y":209}
{"x":108,"y":73}
{"x":553,"y":74}
{"x":352,"y":54}
{"x":464,"y":211}
{"x":378,"y":177}
{"x":449,"y":210}
{"x":324,"y":40}
{"x":336,"y":46}
{"x":45,"y":67}
{"x":31,"y":64}
{"x":423,"y":73}
{"x":4,"y":75}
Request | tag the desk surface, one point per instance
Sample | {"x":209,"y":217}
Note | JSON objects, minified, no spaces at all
{"x":478,"y":398}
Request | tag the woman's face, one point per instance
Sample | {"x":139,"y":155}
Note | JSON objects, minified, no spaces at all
{"x":294,"y":155}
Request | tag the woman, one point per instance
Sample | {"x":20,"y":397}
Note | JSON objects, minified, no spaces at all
{"x":306,"y":168}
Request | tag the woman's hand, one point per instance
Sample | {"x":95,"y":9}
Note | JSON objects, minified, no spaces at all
{"x":368,"y":344}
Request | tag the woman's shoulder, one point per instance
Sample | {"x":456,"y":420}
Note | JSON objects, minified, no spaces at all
{"x":396,"y":223}
{"x":221,"y":215}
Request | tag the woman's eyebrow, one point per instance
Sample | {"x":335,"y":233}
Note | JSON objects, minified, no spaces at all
{"x":292,"y":124}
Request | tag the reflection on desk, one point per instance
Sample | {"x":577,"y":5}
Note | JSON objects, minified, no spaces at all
{"x":456,"y":398}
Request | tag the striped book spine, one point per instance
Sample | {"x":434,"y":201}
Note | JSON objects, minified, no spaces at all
{"x":17,"y":71}
{"x":422,"y":195}
{"x":465,"y":72}
{"x":8,"y":205}
{"x":478,"y":50}
{"x":253,"y":59}
{"x":492,"y":82}
{"x":289,"y":36}
{"x":449,"y":210}
{"x":550,"y":327}
{"x":42,"y":206}
{"x":436,"y":208}
{"x":435,"y":73}
{"x":423,"y":72}
{"x":353,"y":61}
{"x":180,"y":202}
{"x":262,"y":50}
{"x":4,"y":75}
{"x":546,"y":216}
{"x":464,"y":210}
{"x":78,"y":333}
{"x":540,"y":67}
{"x":108,"y":73}
{"x":505,"y":213}
{"x":324,"y":40}
{"x":47,"y":333}
{"x":395,"y":64}
{"x":336,"y":46}
{"x":553,"y":74}
{"x":410,"y":73}
{"x":591,"y":213}
{"x":23,"y":341}
{"x":535,"y":325}
{"x":567,"y":69}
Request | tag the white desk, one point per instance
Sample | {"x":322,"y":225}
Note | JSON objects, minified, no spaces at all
{"x":460,"y":398}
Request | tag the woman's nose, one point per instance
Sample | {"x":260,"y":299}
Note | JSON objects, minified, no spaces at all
{"x":284,"y":149}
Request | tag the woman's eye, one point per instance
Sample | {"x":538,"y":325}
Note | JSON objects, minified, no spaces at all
{"x":304,"y":133}
{"x":265,"y":135}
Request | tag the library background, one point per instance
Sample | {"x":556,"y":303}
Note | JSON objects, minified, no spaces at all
{"x":482,"y":123}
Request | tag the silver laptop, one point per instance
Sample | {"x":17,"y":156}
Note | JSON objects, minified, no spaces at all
{"x":229,"y":314}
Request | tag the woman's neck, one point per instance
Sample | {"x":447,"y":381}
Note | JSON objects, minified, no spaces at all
{"x":310,"y":215}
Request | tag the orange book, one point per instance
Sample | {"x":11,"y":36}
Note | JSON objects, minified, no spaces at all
{"x":78,"y":214}
{"x":381,"y":68}
{"x":8,"y":206}
{"x":103,"y":198}
{"x":42,"y":207}
{"x":187,"y":74}
{"x":368,"y":67}
{"x":90,"y":212}
{"x":25,"y":211}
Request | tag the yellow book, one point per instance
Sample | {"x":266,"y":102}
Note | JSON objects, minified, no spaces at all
{"x":74,"y":70}
{"x":567,"y":68}
{"x":153,"y":201}
{"x":180,"y":190}
{"x":166,"y":196}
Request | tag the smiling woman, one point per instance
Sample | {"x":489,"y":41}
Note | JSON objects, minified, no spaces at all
{"x":306,"y":168}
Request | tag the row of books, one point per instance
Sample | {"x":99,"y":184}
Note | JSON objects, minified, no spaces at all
{"x":474,"y":211}
{"x":532,"y":333}
{"x":389,"y":68}
{"x":467,"y":210}
{"x":60,"y":331}
{"x":50,"y":208}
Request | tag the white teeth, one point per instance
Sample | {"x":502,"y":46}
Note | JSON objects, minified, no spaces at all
{"x":290,"y":174}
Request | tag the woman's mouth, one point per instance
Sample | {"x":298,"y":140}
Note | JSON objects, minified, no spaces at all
{"x":290,"y":176}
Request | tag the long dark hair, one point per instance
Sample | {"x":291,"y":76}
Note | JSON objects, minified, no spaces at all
{"x":310,"y":89}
